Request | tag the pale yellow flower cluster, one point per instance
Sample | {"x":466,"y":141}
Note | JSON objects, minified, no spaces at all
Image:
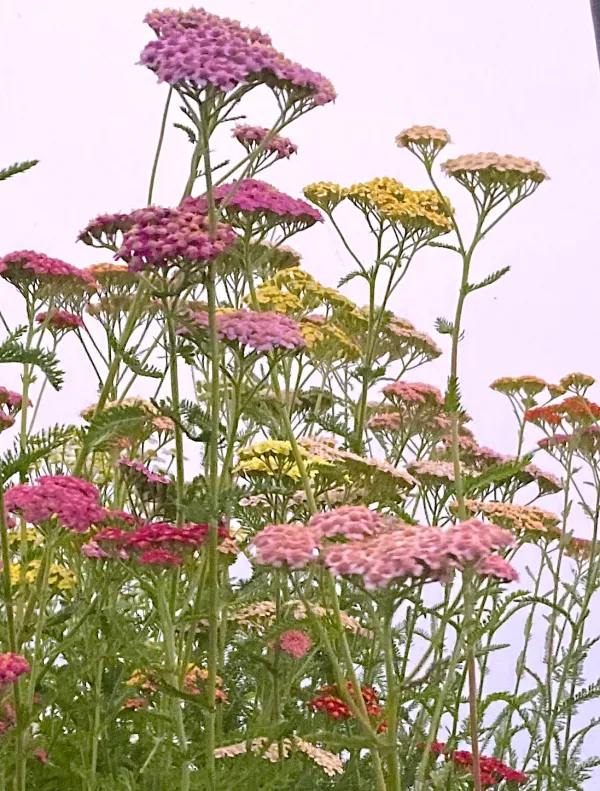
{"x":266,"y":610}
{"x":275,"y":457}
{"x":32,"y":536}
{"x":515,"y":517}
{"x":325,"y":194}
{"x":328,"y":341}
{"x":59,"y":577}
{"x":474,"y":163}
{"x":330,"y":763}
{"x":423,"y":135}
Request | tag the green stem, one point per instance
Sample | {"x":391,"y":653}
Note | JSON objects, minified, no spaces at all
{"x":175,"y":399}
{"x":394,"y":774}
{"x":161,"y":137}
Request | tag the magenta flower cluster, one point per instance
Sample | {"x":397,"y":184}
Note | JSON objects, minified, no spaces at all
{"x":10,"y":404}
{"x":206,"y":49}
{"x":253,"y":195}
{"x":11,"y":667}
{"x":72,"y":501}
{"x":28,"y":262}
{"x":262,"y":332}
{"x":163,"y":236}
{"x":383,"y":552}
{"x":141,"y":469}
{"x":252,"y":136}
{"x":61,"y":320}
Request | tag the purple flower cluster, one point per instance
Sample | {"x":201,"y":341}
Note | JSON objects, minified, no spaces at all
{"x":61,"y":320}
{"x":151,"y":477}
{"x":72,"y":501}
{"x":163,"y":236}
{"x":252,"y":195}
{"x":210,"y":50}
{"x":27,"y":263}
{"x":11,"y":667}
{"x":252,"y":136}
{"x":262,"y":332}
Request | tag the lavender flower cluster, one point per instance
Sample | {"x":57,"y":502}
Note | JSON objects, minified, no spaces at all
{"x":262,"y":332}
{"x":206,"y":49}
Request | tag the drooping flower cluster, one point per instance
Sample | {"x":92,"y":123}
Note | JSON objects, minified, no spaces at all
{"x":262,"y":332}
{"x":329,"y":762}
{"x":253,"y":136}
{"x":11,"y":667}
{"x":72,"y":502}
{"x":10,"y":405}
{"x":205,"y":49}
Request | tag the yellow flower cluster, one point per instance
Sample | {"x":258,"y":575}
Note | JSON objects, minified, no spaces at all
{"x":32,"y":536}
{"x":59,"y":577}
{"x":327,"y":341}
{"x":271,"y":297}
{"x":275,"y":457}
{"x":325,"y":194}
{"x":392,"y":201}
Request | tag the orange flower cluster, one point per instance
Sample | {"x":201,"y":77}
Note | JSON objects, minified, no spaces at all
{"x":575,"y":409}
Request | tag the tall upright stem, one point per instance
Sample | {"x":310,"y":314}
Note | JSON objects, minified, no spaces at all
{"x":161,"y":137}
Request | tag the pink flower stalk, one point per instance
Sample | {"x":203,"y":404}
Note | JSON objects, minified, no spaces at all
{"x":61,"y":320}
{"x":295,"y":643}
{"x":137,"y":466}
{"x":159,"y":557}
{"x":167,"y":237}
{"x":413,"y":391}
{"x":72,"y":501}
{"x":279,"y":545}
{"x":206,"y":49}
{"x":27,"y":263}
{"x":353,"y":522}
{"x":252,"y":136}
{"x":11,"y":667}
{"x":263,"y":332}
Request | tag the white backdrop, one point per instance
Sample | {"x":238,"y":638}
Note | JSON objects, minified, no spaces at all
{"x":511,"y":77}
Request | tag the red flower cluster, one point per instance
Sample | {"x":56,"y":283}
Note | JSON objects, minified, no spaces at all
{"x":492,"y":770}
{"x":330,"y":703}
{"x":156,"y":544}
{"x":575,"y":409}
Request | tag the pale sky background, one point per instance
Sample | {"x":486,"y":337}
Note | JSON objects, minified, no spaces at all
{"x":510,"y":77}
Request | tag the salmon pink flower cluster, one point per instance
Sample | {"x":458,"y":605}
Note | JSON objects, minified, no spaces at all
{"x":60,"y":320}
{"x":263,"y":332}
{"x":295,"y":643}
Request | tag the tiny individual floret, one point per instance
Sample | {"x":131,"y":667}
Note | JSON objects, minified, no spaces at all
{"x":295,"y":643}
{"x":253,"y":136}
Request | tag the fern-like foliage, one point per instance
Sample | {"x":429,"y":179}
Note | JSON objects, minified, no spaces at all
{"x":116,"y":423}
{"x":18,"y":167}
{"x":12,"y":351}
{"x":18,"y":462}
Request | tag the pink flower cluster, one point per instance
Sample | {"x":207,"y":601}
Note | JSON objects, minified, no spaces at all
{"x":385,"y":421}
{"x":295,"y":643}
{"x":27,"y":262}
{"x":148,"y":475}
{"x":12,"y":401}
{"x":157,"y":543}
{"x":11,"y":667}
{"x":291,"y":545}
{"x":209,"y":50}
{"x":248,"y":136}
{"x":253,"y":195}
{"x":353,"y":522}
{"x":413,"y":391}
{"x":384,"y":552}
{"x":72,"y":501}
{"x":260,"y":331}
{"x":163,"y":237}
{"x":61,"y":320}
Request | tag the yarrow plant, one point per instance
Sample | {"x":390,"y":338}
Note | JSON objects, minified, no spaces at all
{"x":269,"y":553}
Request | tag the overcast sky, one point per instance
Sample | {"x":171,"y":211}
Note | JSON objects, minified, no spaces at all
{"x":511,"y":77}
